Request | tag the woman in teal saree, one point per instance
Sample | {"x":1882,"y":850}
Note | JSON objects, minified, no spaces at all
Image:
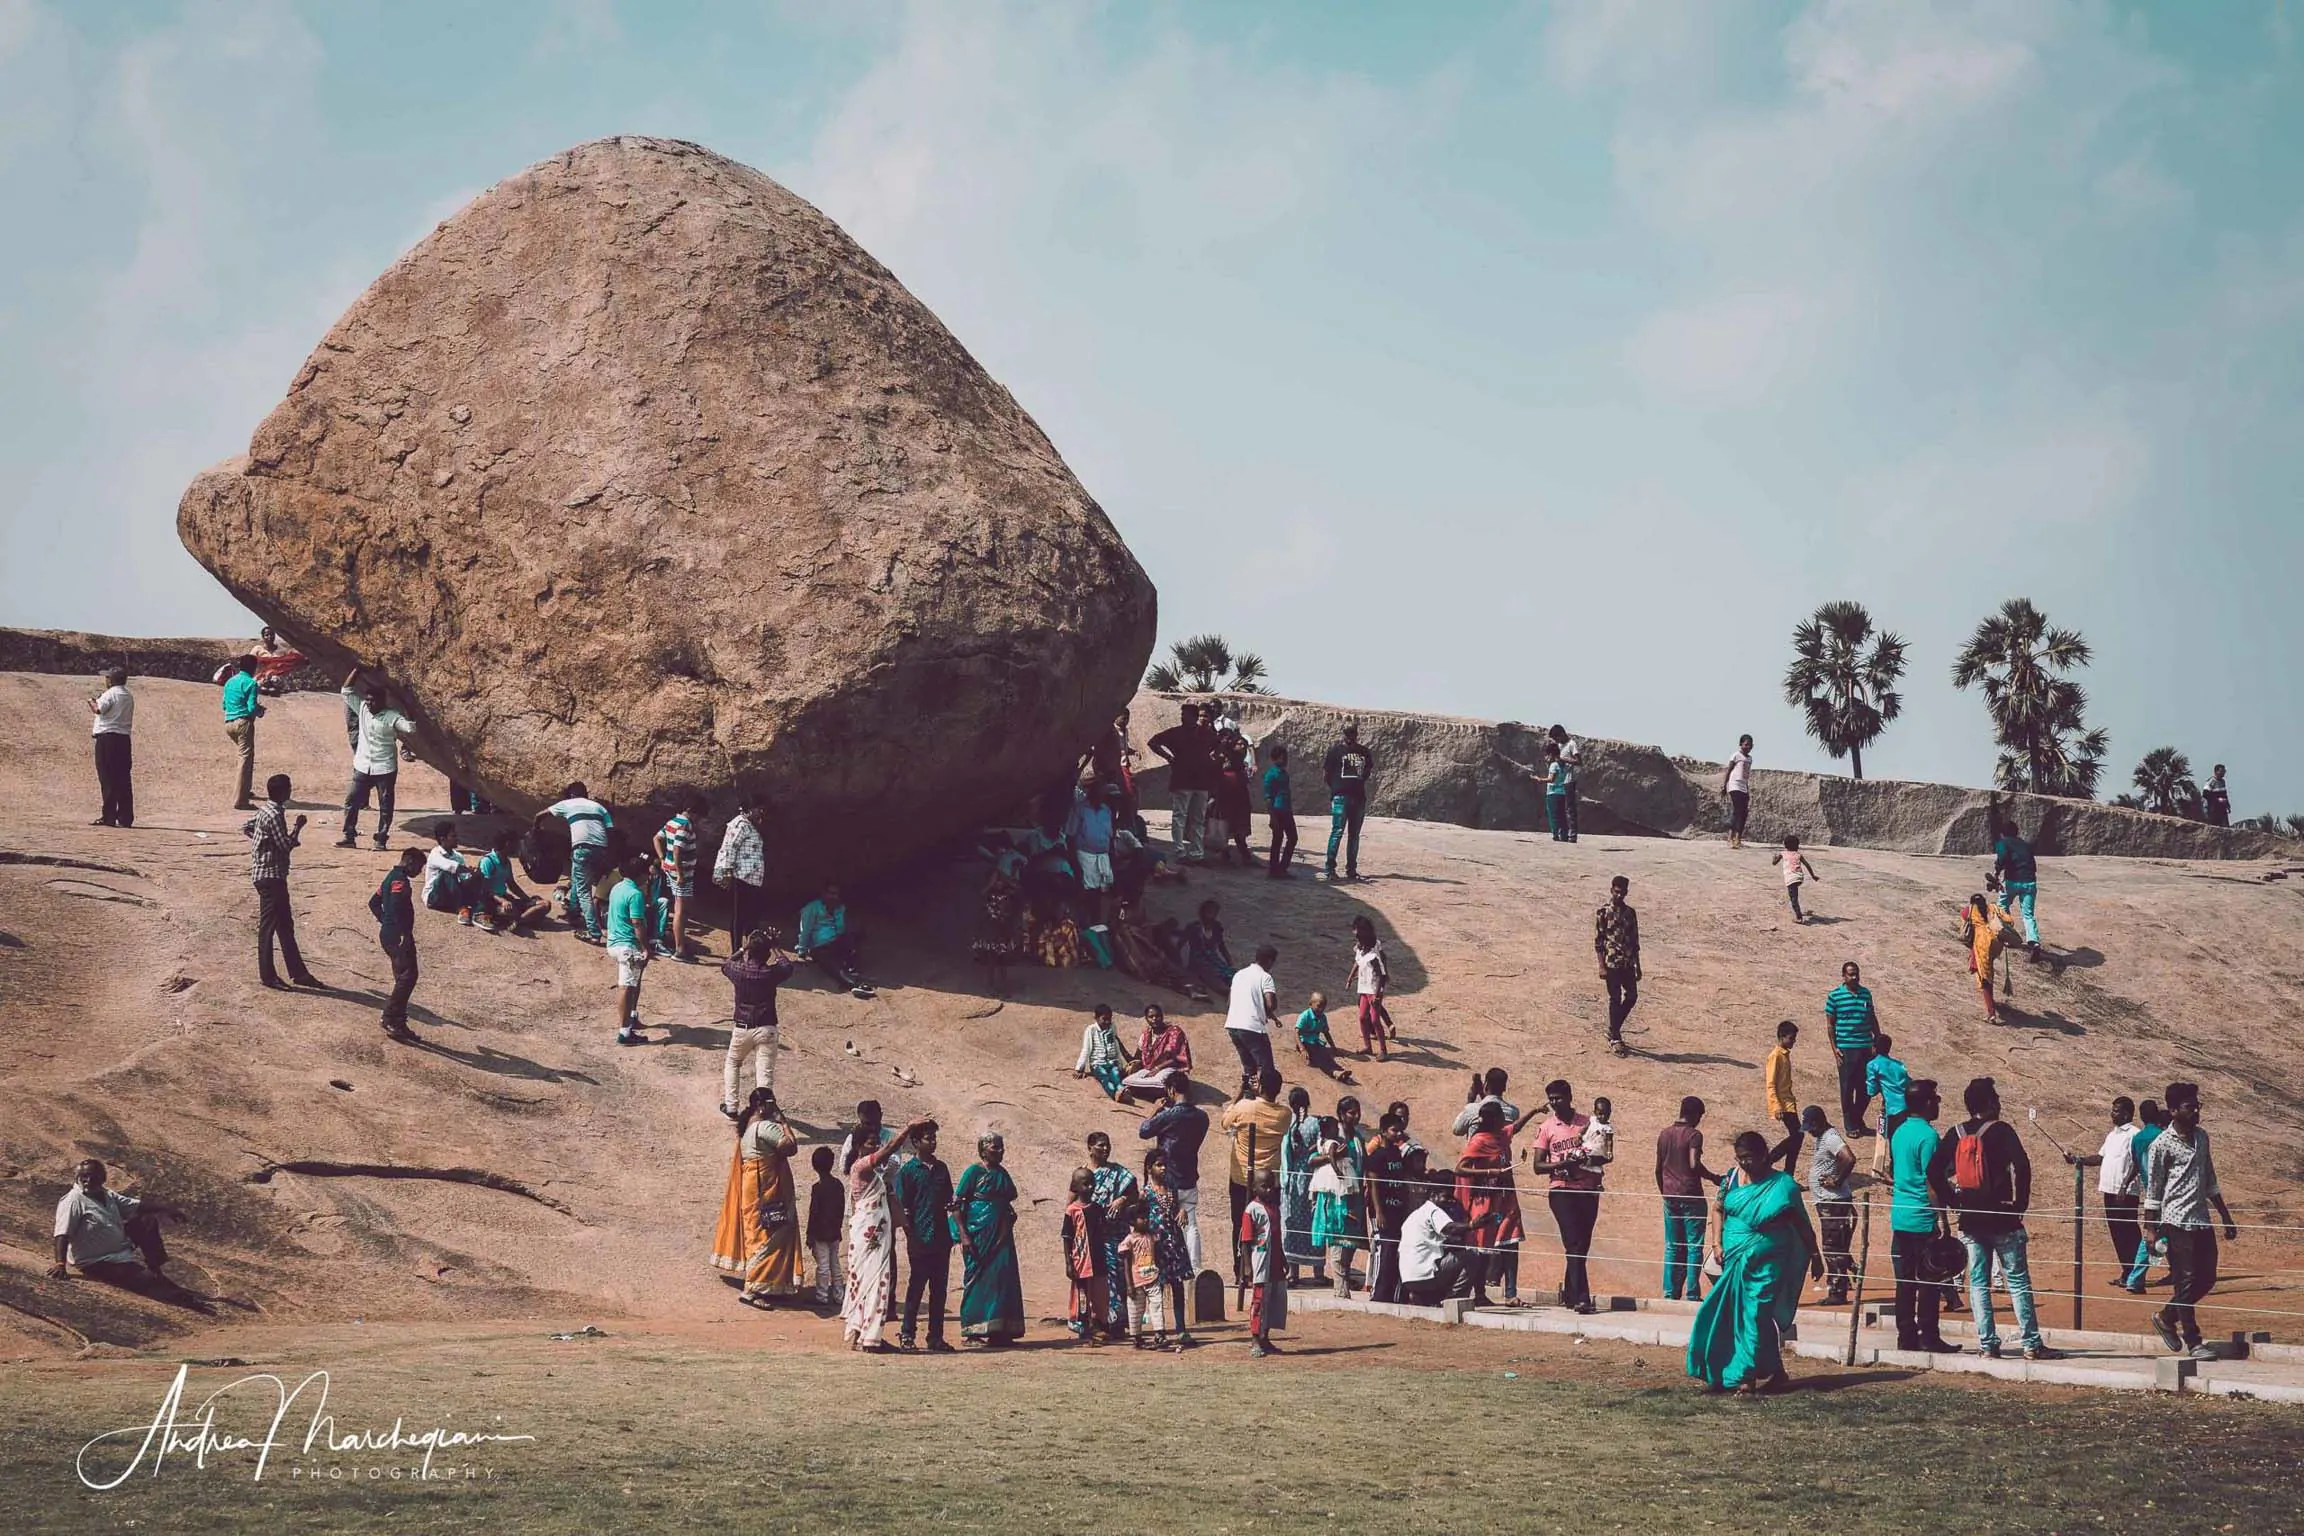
{"x":984,"y":1225}
{"x":1766,"y":1246}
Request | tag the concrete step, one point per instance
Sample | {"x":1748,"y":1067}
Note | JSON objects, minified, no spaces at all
{"x":1823,"y":1336}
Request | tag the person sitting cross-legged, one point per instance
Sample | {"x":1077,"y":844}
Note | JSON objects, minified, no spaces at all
{"x":826,"y":938}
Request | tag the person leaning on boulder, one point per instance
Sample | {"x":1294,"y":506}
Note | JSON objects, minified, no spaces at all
{"x":376,"y":729}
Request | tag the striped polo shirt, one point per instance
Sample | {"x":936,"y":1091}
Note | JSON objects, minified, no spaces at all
{"x":1853,"y":1021}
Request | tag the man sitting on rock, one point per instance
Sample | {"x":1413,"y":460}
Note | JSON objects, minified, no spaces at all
{"x":109,"y":1236}
{"x":826,"y":938}
{"x":451,"y":885}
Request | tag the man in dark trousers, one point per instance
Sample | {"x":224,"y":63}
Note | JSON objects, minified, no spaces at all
{"x":1855,"y":1025}
{"x":1347,"y":770}
{"x":111,"y":725}
{"x":395,"y":907}
{"x":272,"y":841}
{"x":1390,"y":1196}
{"x":1189,"y":750}
{"x":2180,"y":1189}
{"x":1616,"y":942}
{"x":924,"y":1193}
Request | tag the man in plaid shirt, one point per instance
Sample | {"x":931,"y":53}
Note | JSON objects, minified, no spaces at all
{"x":272,"y":842}
{"x":1616,"y":940}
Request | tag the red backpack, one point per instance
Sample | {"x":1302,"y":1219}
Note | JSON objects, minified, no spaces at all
{"x":1969,"y":1172}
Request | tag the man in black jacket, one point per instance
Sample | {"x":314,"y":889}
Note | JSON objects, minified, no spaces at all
{"x":1347,"y":770}
{"x":395,"y":907}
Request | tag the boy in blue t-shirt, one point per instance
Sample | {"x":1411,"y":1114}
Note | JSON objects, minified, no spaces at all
{"x":1280,"y":807}
{"x":524,"y":906}
{"x":1313,"y":1041}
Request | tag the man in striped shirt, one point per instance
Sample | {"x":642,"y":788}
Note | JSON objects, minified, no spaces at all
{"x":676,"y":856}
{"x":1854,"y":1026}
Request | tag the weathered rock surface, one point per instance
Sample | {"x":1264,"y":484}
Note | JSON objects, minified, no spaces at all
{"x":1443,"y":768}
{"x":640,"y":471}
{"x":76,"y":652}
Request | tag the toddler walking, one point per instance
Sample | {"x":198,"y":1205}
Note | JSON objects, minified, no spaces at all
{"x":1140,"y":1271}
{"x":1796,"y":868}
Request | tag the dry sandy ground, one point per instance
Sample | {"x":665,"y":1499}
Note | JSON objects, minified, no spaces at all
{"x":137,"y":1031}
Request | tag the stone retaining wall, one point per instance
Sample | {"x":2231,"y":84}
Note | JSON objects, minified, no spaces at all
{"x":1444,"y":768}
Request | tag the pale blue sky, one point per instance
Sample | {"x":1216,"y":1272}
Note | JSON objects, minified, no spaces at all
{"x":1521,"y":360}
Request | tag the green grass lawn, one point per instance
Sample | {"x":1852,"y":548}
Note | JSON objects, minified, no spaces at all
{"x":1385,"y":1430}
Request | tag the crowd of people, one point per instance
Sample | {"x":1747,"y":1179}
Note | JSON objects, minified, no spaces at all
{"x":1320,"y":1199}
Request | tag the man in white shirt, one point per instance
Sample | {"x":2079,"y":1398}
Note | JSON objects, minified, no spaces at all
{"x":2117,"y":1183}
{"x":1255,"y":997}
{"x":113,"y":715}
{"x":376,"y":732}
{"x":588,"y":823}
{"x":105,"y":1235}
{"x":1432,"y":1243}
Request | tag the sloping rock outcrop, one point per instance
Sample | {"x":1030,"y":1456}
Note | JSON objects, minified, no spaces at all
{"x":639,"y":471}
{"x":1444,"y":768}
{"x":187,"y":659}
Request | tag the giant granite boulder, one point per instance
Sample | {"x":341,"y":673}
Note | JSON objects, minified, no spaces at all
{"x":1469,"y":772}
{"x":639,"y":471}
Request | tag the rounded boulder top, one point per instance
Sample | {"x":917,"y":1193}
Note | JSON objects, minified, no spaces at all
{"x":640,"y":471}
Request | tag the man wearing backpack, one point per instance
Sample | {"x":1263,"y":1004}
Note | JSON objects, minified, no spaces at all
{"x":1982,"y":1174}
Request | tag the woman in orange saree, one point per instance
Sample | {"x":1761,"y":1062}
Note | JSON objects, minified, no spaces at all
{"x":758,"y":1238}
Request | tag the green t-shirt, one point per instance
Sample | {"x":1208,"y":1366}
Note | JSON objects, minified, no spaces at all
{"x":627,"y":916}
{"x":1909,"y":1152}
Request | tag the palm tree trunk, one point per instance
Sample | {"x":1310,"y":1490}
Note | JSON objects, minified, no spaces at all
{"x":1856,"y":760}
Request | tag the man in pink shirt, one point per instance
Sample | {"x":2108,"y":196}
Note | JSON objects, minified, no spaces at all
{"x":1575,"y":1192}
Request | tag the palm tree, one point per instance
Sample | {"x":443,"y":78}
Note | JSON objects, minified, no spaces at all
{"x":2038,"y":714}
{"x":1844,"y":676}
{"x":2164,"y":778}
{"x":1200,"y":665}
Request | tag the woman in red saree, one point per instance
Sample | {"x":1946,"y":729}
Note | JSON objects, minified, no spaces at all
{"x":1485,"y":1189}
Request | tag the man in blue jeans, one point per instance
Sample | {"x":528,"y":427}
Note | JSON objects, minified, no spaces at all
{"x":1347,"y":769}
{"x":1981,"y":1172}
{"x":1680,"y":1176}
{"x":588,"y":823}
